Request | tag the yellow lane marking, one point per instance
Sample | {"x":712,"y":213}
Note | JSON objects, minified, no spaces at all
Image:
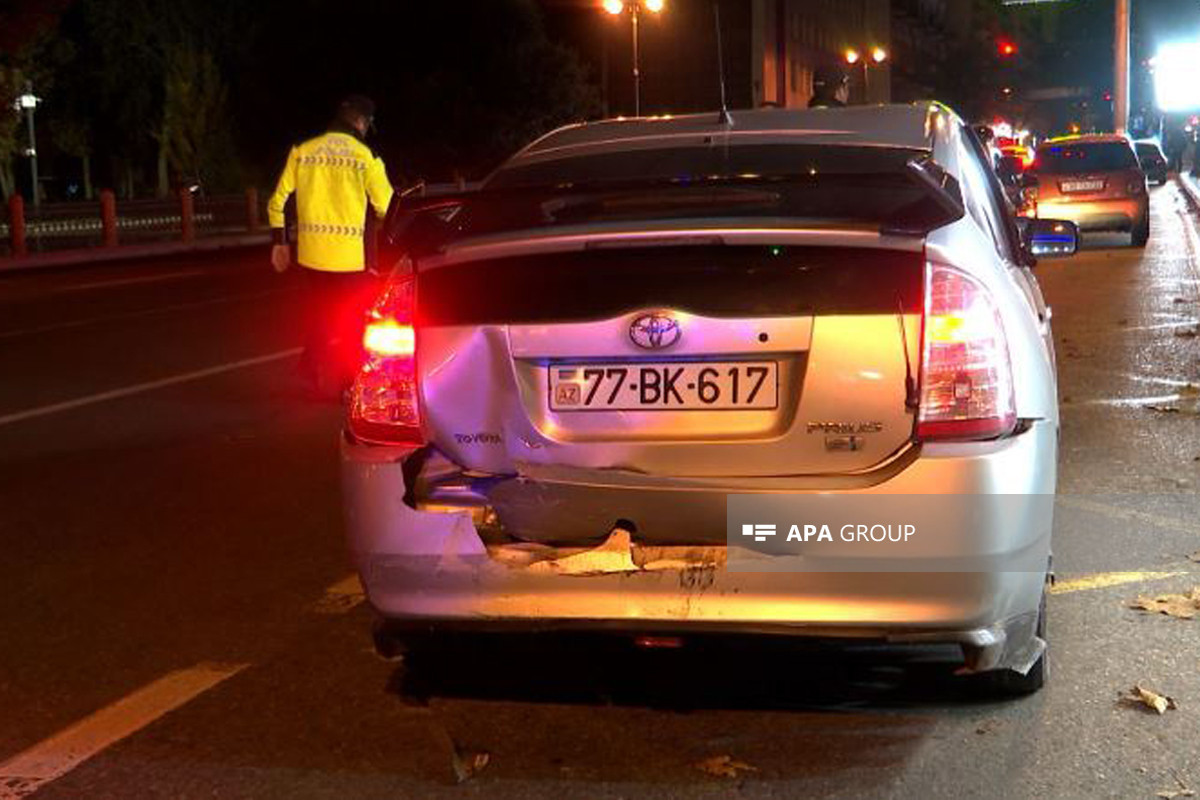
{"x":341,"y":596}
{"x":29,"y":770}
{"x":1102,"y":580}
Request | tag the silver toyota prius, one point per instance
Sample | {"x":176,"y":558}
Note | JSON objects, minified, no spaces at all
{"x":576,"y":368}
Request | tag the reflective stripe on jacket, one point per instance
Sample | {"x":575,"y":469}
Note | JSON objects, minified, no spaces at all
{"x":334,"y":176}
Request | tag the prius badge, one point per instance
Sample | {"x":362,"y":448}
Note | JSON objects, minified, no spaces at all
{"x":655,"y":331}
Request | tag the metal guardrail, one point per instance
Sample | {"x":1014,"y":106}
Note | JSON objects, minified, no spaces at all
{"x":58,"y":226}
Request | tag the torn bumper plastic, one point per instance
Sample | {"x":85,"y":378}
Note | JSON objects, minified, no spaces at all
{"x":429,"y":567}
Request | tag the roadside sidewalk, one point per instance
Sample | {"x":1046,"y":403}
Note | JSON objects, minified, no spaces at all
{"x":96,"y":255}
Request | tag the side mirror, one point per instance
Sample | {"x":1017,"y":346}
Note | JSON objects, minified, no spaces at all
{"x":1049,"y":238}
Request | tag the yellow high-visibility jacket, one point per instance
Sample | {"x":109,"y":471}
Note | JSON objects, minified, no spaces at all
{"x":334,"y":176}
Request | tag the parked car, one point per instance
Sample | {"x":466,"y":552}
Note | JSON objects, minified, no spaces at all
{"x":1152,"y":160}
{"x":573,"y":368}
{"x":1096,"y":182}
{"x":1022,"y":153}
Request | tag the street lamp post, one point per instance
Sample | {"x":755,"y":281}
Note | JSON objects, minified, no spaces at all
{"x":635,"y":7}
{"x":28,"y":103}
{"x":877,"y":54}
{"x":1121,"y":68}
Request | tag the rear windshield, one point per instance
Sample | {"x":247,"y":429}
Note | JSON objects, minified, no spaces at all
{"x":867,"y":185}
{"x":1062,"y":159}
{"x":1147,"y":151}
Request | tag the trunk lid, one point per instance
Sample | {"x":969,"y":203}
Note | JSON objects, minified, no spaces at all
{"x":707,"y":353}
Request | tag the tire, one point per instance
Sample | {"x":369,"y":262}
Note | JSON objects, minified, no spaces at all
{"x":1141,"y":234}
{"x":1007,"y":683}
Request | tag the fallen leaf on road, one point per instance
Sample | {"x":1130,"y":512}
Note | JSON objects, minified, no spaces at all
{"x":724,"y":767}
{"x":1195,"y":557}
{"x":466,"y":764}
{"x":1148,"y":698}
{"x":1189,"y":390}
{"x":1181,"y":606}
{"x":1163,"y":409}
{"x":1182,"y":791}
{"x":1187,"y":333}
{"x":987,"y":726}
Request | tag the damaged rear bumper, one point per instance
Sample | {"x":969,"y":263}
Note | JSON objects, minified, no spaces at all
{"x":429,"y":568}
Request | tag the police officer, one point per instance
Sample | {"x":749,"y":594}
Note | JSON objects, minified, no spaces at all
{"x":335,"y":177}
{"x":831,"y":87}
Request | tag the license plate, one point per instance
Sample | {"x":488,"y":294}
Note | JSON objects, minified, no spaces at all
{"x":1082,"y":186}
{"x":696,"y":386}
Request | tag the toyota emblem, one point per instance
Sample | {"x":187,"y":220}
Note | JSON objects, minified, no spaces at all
{"x":655,"y":331}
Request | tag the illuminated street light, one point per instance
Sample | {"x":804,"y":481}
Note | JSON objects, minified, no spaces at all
{"x":28,"y":103}
{"x":853,"y":57}
{"x":635,"y":7}
{"x":1175,"y":85}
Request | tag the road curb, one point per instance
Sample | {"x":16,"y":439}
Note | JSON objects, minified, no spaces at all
{"x":96,"y":255}
{"x":1191,"y":190}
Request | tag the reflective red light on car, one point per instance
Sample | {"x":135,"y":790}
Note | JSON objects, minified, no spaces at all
{"x":966,"y":375}
{"x":384,"y":400}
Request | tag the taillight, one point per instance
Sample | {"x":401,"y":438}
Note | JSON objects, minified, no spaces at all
{"x":384,"y":407}
{"x":966,"y":375}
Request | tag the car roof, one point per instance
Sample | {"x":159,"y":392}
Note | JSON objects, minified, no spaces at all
{"x":912,"y":126}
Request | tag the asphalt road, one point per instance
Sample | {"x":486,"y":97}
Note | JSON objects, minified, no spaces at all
{"x":176,"y":618}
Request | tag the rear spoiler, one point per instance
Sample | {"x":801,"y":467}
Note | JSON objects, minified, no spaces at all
{"x":936,"y":184}
{"x":421,"y":223}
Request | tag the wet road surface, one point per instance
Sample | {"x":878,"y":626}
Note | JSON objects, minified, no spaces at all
{"x":178,"y":617}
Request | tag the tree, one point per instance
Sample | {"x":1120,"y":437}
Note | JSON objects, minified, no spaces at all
{"x":10,"y":124}
{"x":193,"y":138}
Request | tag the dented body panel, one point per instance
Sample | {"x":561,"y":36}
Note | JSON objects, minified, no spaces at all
{"x":431,"y":565}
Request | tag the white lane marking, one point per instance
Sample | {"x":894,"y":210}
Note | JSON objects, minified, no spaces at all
{"x":138,"y":388}
{"x":341,"y":596}
{"x":170,"y":276}
{"x":1127,"y":401}
{"x":78,"y":323}
{"x":1187,"y":323}
{"x":29,"y":770}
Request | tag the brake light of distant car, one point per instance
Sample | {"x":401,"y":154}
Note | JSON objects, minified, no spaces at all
{"x":966,"y":375}
{"x":384,"y":406}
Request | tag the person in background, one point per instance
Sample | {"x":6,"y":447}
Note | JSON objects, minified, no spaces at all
{"x":338,"y":180}
{"x":831,"y":87}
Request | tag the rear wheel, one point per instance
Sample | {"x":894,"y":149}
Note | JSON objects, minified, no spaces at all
{"x":1141,"y":233}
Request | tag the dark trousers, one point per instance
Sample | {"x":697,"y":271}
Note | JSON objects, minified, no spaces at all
{"x":335,"y":307}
